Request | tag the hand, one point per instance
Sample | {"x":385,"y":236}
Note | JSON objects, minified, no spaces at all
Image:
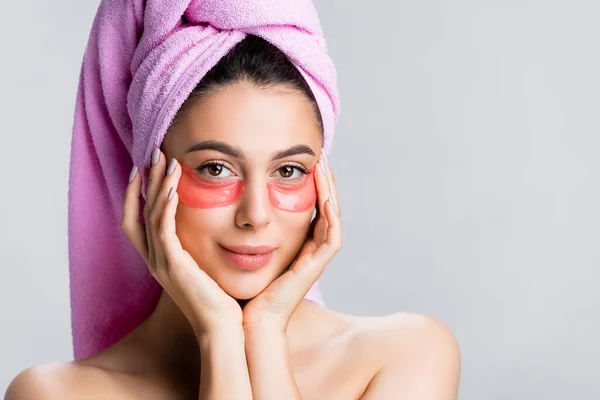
{"x":206,"y":306}
{"x":274,"y":306}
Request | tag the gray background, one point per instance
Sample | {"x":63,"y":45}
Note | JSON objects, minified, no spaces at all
{"x":466,"y":160}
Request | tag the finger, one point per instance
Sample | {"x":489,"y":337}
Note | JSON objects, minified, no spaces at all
{"x":286,"y":292}
{"x":130,"y":223}
{"x":167,"y":231}
{"x":290,"y":288}
{"x":293,"y":285}
{"x":333,"y":242}
{"x":323,"y":193}
{"x":157,"y":172}
{"x":332,"y":186}
{"x":156,"y":215}
{"x":312,"y":266}
{"x":311,"y":229}
{"x":322,"y":183}
{"x":320,"y":230}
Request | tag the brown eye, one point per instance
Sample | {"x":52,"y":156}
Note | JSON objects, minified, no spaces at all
{"x":286,"y":172}
{"x":215,"y":169}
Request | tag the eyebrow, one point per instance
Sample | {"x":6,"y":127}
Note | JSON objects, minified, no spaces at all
{"x":224,"y":148}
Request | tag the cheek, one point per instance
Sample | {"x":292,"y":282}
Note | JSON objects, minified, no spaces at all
{"x":196,"y":228}
{"x":294,"y":226}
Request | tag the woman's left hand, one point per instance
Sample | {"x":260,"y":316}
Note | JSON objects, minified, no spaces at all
{"x":274,"y":306}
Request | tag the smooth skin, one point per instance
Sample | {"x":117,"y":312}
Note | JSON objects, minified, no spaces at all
{"x":219,"y":332}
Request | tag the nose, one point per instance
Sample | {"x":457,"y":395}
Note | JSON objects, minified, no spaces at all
{"x":254,"y":208}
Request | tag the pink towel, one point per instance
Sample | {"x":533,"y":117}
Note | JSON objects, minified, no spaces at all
{"x":142,"y":60}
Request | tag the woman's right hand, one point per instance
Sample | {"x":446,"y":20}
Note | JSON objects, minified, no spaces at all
{"x":206,"y":306}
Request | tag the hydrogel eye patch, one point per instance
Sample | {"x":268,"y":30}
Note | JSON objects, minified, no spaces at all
{"x":198,"y":193}
{"x":296,"y":198}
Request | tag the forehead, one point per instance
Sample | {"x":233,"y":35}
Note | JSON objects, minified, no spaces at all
{"x":250,"y":118}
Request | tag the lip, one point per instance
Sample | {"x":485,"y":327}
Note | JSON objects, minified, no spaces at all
{"x":250,"y":250}
{"x":248,"y":257}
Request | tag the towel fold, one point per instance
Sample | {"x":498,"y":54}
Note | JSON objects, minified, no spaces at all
{"x":142,"y":60}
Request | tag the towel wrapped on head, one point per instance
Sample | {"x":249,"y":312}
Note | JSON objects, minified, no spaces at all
{"x":142,"y":60}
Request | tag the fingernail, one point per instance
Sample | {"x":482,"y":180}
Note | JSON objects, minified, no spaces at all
{"x":324,"y":156}
{"x":133,"y":173}
{"x":323,"y":168}
{"x":171,"y":193}
{"x":155,"y":154}
{"x":172,"y":165}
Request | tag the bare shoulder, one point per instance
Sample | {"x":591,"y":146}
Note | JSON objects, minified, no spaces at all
{"x":114,"y":373}
{"x":402,"y":334}
{"x":415,"y":331}
{"x":56,"y":380}
{"x":402,"y":355}
{"x":419,"y":357}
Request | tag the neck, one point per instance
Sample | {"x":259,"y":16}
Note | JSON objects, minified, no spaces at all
{"x":168,"y":336}
{"x":169,"y":339}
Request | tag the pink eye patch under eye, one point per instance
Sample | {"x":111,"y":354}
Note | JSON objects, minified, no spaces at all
{"x":197,"y":193}
{"x":297,"y":198}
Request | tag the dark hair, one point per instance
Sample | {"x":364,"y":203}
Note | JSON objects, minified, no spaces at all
{"x":256,"y":61}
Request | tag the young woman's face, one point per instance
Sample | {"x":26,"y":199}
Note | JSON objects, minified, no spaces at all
{"x":244,"y":153}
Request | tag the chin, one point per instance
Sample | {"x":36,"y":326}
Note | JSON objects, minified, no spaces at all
{"x":244,"y":286}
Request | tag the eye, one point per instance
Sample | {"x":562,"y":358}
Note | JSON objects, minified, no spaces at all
{"x":287,"y":171}
{"x":214,"y":169}
{"x":292,"y":173}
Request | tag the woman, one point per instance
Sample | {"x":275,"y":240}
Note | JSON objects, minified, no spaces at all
{"x":229,"y":234}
